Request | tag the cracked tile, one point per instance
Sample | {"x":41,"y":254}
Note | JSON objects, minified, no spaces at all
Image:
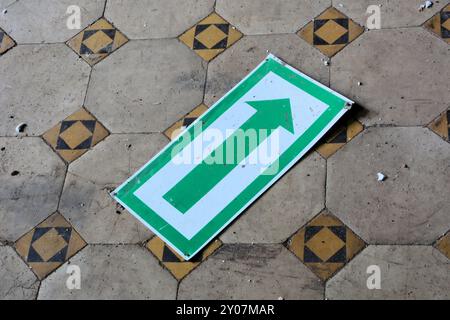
{"x":330,"y":32}
{"x":403,"y":80}
{"x":150,"y":85}
{"x":97,"y":41}
{"x":148,"y":19}
{"x":75,"y":135}
{"x":339,"y":136}
{"x":185,"y":122}
{"x":210,"y":37}
{"x":45,"y":21}
{"x":252,"y":272}
{"x":43,"y":83}
{"x":86,"y":201}
{"x":32,"y":177}
{"x":325,"y":245}
{"x":174,"y":262}
{"x":18,"y":282}
{"x":410,"y":206}
{"x":406,"y":273}
{"x":254,"y":17}
{"x":51,"y":243}
{"x":439,"y":24}
{"x":120,"y":272}
{"x":6,"y":42}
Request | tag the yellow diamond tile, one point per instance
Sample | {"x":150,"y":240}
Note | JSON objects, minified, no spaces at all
{"x":174,"y":262}
{"x":210,"y":36}
{"x":48,"y":242}
{"x":435,"y":24}
{"x":6,"y":42}
{"x":75,"y":134}
{"x":96,"y":41}
{"x":178,"y":126}
{"x":325,"y":244}
{"x":331,"y":31}
{"x":443,"y":245}
{"x":441,"y":125}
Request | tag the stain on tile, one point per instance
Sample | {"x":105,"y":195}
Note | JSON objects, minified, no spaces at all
{"x":441,"y":125}
{"x":97,"y":41}
{"x":325,"y":245}
{"x":439,"y":24}
{"x":338,"y":137}
{"x":49,"y":245}
{"x":75,"y":135}
{"x":210,"y":37}
{"x":443,"y":245}
{"x":184,"y":122}
{"x":174,"y":262}
{"x":6,"y":42}
{"x":330,"y":32}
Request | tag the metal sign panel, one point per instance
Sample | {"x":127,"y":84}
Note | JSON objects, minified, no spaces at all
{"x":229,"y":156}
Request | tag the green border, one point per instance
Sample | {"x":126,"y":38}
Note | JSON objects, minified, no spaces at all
{"x":125,"y":194}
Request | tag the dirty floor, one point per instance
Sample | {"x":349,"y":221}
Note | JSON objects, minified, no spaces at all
{"x":83,"y":109}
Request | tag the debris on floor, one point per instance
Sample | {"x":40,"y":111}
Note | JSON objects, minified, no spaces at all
{"x":381,"y":176}
{"x":21,"y":128}
{"x":427,"y":4}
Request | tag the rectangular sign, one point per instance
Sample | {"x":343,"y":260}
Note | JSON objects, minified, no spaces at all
{"x":229,"y":156}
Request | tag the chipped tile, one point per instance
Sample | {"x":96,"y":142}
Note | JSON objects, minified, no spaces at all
{"x":325,"y":245}
{"x":439,"y":24}
{"x":211,"y":36}
{"x":174,"y":262}
{"x":330,"y":32}
{"x":6,"y":42}
{"x":185,"y":122}
{"x":443,"y":245}
{"x":338,"y":137}
{"x":97,"y":41}
{"x":75,"y":135}
{"x":441,"y":125}
{"x":49,"y":245}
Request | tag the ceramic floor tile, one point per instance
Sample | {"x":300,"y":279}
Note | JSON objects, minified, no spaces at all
{"x":75,"y":135}
{"x":337,"y":137}
{"x":49,"y":245}
{"x":211,"y":36}
{"x":174,"y":262}
{"x":325,"y":245}
{"x":330,"y":32}
{"x":439,"y":24}
{"x":443,"y":245}
{"x":6,"y":42}
{"x":184,"y":122}
{"x":441,"y":125}
{"x":97,"y":41}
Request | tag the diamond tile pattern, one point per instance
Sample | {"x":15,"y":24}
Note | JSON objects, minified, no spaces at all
{"x":330,"y":32}
{"x":338,"y":137}
{"x":211,"y":36}
{"x":174,"y":262}
{"x":325,"y":245}
{"x":97,"y":41}
{"x":49,"y":245}
{"x":441,"y":125}
{"x":439,"y":24}
{"x":6,"y":42}
{"x":75,"y":135}
{"x":184,"y":122}
{"x":443,"y":245}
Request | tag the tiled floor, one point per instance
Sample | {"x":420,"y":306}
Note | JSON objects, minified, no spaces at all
{"x":100,"y":101}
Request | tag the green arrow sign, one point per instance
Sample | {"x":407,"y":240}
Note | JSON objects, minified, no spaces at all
{"x":225,"y":160}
